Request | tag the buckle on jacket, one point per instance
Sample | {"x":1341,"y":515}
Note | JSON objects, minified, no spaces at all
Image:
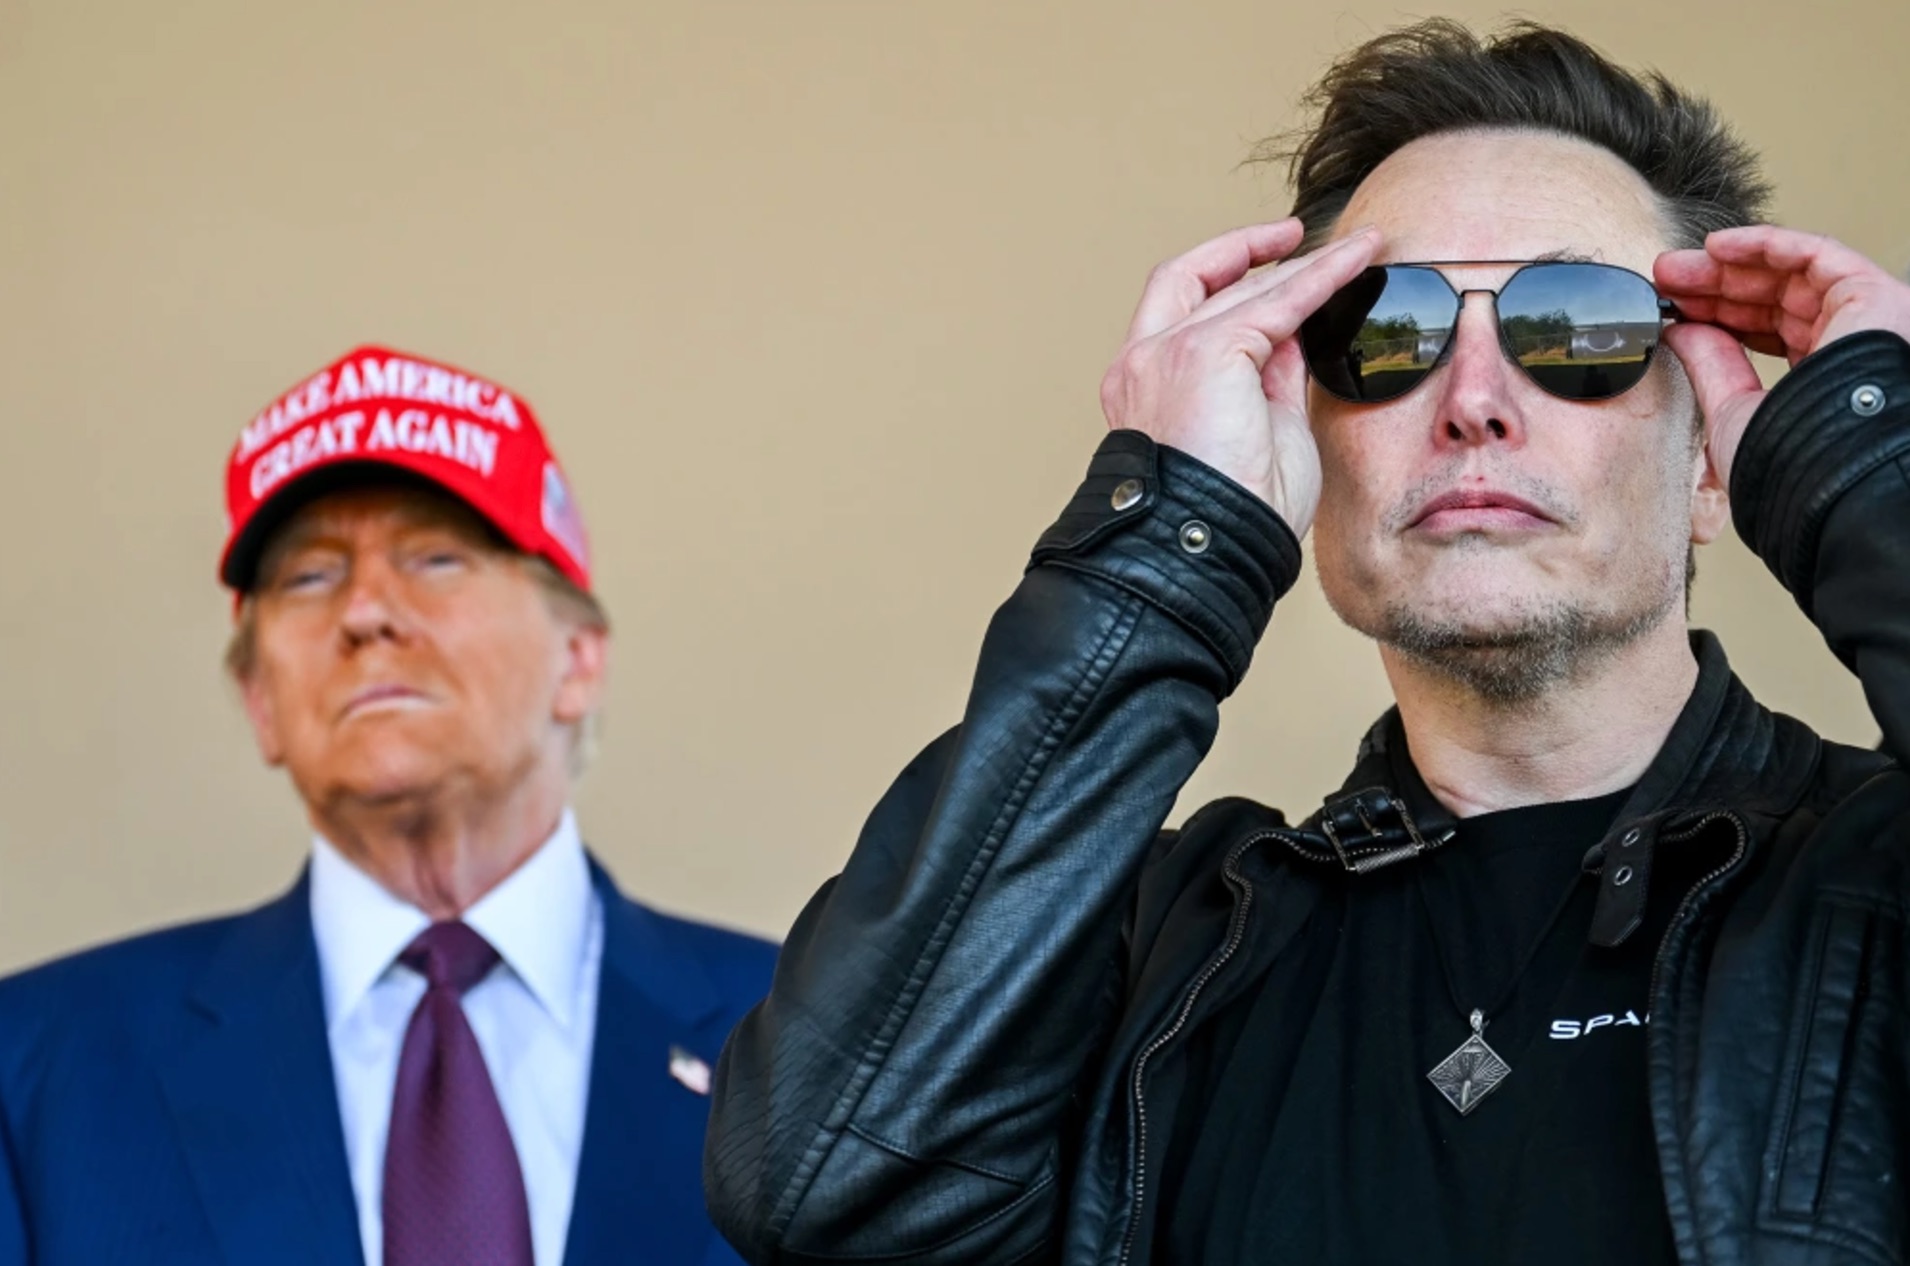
{"x":1371,"y":828}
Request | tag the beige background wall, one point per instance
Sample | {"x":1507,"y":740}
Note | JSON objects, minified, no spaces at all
{"x":814,"y":298}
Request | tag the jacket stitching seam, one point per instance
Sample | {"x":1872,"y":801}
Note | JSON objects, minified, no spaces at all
{"x":896,"y":1149}
{"x":1799,"y":553}
{"x":1207,"y":639}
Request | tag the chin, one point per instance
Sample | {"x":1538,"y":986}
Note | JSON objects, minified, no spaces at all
{"x":1480,"y":597}
{"x":387,"y":771}
{"x":1477,"y":613}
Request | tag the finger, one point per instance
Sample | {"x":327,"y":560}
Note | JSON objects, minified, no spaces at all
{"x":1284,"y":374}
{"x":1754,"y":285}
{"x":1715,"y":363}
{"x":1726,"y":385}
{"x":1776,"y":247}
{"x":1699,"y":308}
{"x":1800,"y":298}
{"x":1720,"y":373}
{"x":1795,"y":336}
{"x":1767,"y":328}
{"x":1760,"y":327}
{"x":1764,"y":337}
{"x":1277,"y":314}
{"x":1257,"y":284}
{"x":1824,"y":260}
{"x":1745,"y":318}
{"x":1180,"y":285}
{"x":1686,"y":272}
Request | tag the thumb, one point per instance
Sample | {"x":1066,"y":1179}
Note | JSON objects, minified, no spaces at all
{"x":1726,"y":384}
{"x":1283,"y":377}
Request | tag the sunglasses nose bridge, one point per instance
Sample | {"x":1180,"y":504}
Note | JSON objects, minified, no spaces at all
{"x":1490,"y":316}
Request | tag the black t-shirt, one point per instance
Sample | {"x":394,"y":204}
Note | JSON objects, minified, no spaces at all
{"x":1349,"y":1154}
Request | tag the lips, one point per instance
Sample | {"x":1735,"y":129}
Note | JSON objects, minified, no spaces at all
{"x":384,"y":696}
{"x":1476,"y":508}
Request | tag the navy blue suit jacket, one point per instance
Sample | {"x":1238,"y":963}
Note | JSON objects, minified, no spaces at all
{"x":169,"y":1099}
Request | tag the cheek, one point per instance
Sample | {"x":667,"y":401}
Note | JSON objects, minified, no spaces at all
{"x":292,"y":682}
{"x":1640,"y":487}
{"x":510,"y":675}
{"x":1356,"y":476}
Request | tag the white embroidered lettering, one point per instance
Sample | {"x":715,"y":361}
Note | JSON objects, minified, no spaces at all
{"x":437,"y":386}
{"x":380,"y":379}
{"x":504,"y":411}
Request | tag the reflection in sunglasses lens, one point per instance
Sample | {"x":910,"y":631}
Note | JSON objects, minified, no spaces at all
{"x":1380,"y":334}
{"x":1581,"y":331}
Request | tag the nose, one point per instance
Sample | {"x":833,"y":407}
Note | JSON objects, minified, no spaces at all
{"x":374,"y":608}
{"x":1478,"y":404}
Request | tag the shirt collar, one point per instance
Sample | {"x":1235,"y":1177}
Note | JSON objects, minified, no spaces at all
{"x":538,"y":920}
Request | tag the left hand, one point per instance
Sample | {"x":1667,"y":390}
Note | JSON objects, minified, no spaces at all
{"x":1777,"y":291}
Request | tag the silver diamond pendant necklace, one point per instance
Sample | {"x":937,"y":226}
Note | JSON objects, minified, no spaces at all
{"x":1474,"y":1070}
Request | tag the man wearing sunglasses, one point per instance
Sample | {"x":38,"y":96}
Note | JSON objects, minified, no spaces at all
{"x":1592,"y":959}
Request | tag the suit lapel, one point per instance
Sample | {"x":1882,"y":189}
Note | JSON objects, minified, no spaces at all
{"x":639,"y":1181}
{"x":254,"y":1101}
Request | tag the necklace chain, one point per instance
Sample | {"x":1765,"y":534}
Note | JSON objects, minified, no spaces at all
{"x":1474,"y":1070}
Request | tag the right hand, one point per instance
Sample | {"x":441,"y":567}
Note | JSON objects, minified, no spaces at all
{"x":1211,"y":365}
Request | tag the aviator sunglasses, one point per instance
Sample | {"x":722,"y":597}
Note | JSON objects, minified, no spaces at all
{"x":1581,"y":331}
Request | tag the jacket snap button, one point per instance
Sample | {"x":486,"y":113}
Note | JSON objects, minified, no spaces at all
{"x":1868,"y":400}
{"x":1631,"y":838}
{"x":1622,"y":878}
{"x":1128,"y":494}
{"x":1195,"y":536}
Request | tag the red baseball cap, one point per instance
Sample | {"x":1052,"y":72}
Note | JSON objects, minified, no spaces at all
{"x":377,"y":408}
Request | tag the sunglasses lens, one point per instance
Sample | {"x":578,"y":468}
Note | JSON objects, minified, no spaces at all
{"x":1581,"y":331}
{"x":1380,"y":334}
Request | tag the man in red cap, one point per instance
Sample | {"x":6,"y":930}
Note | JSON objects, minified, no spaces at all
{"x":453,"y":1041}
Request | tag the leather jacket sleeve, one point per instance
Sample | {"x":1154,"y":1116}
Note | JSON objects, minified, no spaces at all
{"x":1821,"y":490}
{"x":903,"y":1092}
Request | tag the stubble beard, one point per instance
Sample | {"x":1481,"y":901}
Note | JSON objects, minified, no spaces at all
{"x":1511,"y":663}
{"x":1511,"y":654}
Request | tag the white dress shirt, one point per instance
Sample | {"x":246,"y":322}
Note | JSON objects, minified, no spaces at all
{"x":534,"y":1016}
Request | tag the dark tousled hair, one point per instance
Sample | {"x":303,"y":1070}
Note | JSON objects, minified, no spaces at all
{"x":1437,"y":76}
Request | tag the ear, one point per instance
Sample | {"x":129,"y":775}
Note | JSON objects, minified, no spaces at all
{"x":586,"y":672}
{"x":1710,"y":500}
{"x":260,"y":711}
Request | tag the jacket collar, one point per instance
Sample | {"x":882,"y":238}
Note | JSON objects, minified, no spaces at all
{"x":660,"y":1024}
{"x":1725,"y":749}
{"x":1726,"y":756}
{"x":253,"y":1099}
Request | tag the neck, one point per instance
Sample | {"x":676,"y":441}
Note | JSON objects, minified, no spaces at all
{"x":442,"y":850}
{"x":1589,"y":735}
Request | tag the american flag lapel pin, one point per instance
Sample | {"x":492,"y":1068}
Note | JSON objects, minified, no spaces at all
{"x":691,"y":1071}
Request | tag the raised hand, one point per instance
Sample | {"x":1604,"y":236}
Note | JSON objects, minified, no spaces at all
{"x":1211,"y":366}
{"x":1777,"y":291}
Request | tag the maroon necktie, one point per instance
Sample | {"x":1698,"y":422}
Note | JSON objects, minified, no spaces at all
{"x":454,"y":1195}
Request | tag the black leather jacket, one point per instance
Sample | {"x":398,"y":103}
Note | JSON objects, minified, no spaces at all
{"x":972,"y":1050}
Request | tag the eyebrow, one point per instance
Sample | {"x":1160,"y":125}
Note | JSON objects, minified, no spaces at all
{"x":1564,"y":255}
{"x":304,"y":533}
